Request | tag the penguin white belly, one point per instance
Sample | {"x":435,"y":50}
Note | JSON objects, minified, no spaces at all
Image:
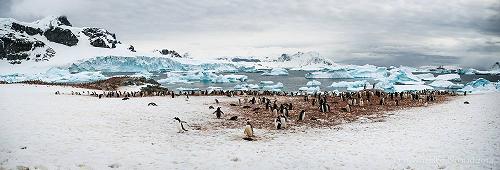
{"x":248,"y":131}
{"x":283,"y":122}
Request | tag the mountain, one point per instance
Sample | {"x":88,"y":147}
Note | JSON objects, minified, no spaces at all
{"x":22,"y":41}
{"x":300,"y":61}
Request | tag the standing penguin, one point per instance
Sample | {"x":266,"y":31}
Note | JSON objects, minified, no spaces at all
{"x":302,"y":115}
{"x":248,"y":131}
{"x":218,"y":113}
{"x":180,"y":125}
{"x":278,"y":123}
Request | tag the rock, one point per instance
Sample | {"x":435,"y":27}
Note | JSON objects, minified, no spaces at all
{"x":115,"y":165}
{"x":29,"y":30}
{"x":100,"y":37}
{"x":131,"y":48}
{"x":17,"y":47}
{"x":20,"y":167}
{"x":170,"y":52}
{"x":61,"y":36}
{"x":64,"y":21}
{"x":466,"y":102}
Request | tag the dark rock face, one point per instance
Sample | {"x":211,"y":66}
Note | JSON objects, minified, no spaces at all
{"x":171,"y":52}
{"x":17,"y":48}
{"x":98,"y":37}
{"x":284,"y":57}
{"x":131,"y":48}
{"x":61,"y":36}
{"x":64,"y":20}
{"x":29,"y":30}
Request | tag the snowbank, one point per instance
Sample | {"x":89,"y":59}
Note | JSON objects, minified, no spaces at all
{"x":480,"y":86}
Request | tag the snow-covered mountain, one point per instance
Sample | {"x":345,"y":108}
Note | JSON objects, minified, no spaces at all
{"x":301,"y":61}
{"x":36,"y":41}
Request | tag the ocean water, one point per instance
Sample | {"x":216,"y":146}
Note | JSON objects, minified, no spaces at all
{"x":292,"y":82}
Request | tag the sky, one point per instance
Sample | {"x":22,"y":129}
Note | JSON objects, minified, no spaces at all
{"x":382,"y":32}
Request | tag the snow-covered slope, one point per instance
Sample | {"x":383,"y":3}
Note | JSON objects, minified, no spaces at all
{"x":300,"y":61}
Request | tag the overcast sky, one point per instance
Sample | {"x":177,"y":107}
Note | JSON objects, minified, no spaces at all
{"x":409,"y":32}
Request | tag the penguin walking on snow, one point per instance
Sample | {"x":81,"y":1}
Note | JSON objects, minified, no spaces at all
{"x":180,"y":125}
{"x":218,"y":113}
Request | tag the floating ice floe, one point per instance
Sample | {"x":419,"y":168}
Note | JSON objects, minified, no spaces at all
{"x":426,"y":77}
{"x":275,"y":87}
{"x":449,"y":77}
{"x":246,"y":86}
{"x":313,"y":83}
{"x":266,"y":82}
{"x":339,"y":73}
{"x":203,"y":76}
{"x":276,"y":72}
{"x":351,"y":86}
{"x":210,"y":89}
{"x":446,"y":84}
{"x":310,"y":90}
{"x":368,"y":71}
{"x":402,"y":77}
{"x":480,"y":85}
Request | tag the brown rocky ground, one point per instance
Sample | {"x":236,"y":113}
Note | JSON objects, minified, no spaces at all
{"x":264,"y":119}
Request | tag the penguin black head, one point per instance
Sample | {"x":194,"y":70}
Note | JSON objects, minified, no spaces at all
{"x":176,"y":118}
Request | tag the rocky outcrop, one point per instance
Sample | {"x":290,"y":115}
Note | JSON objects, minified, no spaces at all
{"x":172,"y":53}
{"x":63,"y":20}
{"x":26,"y":29}
{"x":17,"y":48}
{"x":131,"y":48}
{"x":100,"y":37}
{"x":61,"y":36}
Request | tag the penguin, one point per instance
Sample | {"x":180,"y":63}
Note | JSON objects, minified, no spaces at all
{"x":425,"y":104}
{"x":248,"y":131}
{"x":180,"y":125}
{"x":211,"y":107}
{"x":302,"y":115}
{"x":277,"y":123}
{"x":125,"y":98}
{"x":246,"y":107}
{"x":216,"y":101}
{"x":466,"y":102}
{"x":283,"y":121}
{"x":152,"y":104}
{"x":361,"y":103}
{"x":234,"y":118}
{"x":218,"y":113}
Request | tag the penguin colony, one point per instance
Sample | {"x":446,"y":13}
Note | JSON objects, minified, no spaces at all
{"x":282,"y":110}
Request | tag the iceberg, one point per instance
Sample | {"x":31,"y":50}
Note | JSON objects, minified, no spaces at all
{"x":401,"y":77}
{"x":202,"y":76}
{"x":449,"y":77}
{"x":310,"y":90}
{"x":127,"y":64}
{"x":368,"y":71}
{"x":276,"y":87}
{"x":345,"y":84}
{"x":210,"y":89}
{"x":333,"y":74}
{"x":313,"y":83}
{"x":426,"y":77}
{"x":276,"y":72}
{"x":266,"y":82}
{"x":446,"y":84}
{"x":55,"y":75}
{"x":183,"y":89}
{"x":480,"y":85}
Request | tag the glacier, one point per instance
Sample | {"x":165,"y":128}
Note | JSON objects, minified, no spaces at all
{"x":55,"y":75}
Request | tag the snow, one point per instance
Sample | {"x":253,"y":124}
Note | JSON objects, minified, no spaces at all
{"x":99,"y":133}
{"x":449,"y":77}
{"x":446,"y":84}
{"x":276,"y":72}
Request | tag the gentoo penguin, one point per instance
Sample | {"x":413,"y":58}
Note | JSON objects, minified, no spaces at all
{"x":248,"y":131}
{"x":125,"y":98}
{"x":234,"y":118}
{"x":216,"y":101}
{"x":277,"y":123}
{"x":361,"y":103}
{"x":283,"y":121}
{"x":425,"y":104}
{"x":180,"y":125}
{"x":466,"y":102}
{"x":218,"y":113}
{"x":302,"y":115}
{"x":152,"y":104}
{"x":211,"y":107}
